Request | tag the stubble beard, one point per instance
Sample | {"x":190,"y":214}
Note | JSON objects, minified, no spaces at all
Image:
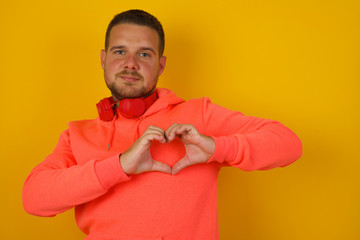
{"x":128,"y":90}
{"x":120,"y":89}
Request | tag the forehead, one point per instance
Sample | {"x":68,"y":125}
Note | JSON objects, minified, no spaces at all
{"x":132,"y":35}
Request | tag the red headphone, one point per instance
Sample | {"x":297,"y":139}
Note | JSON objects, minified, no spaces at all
{"x":128,"y":107}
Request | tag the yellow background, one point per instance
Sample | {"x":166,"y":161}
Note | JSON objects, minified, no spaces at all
{"x":293,"y":61}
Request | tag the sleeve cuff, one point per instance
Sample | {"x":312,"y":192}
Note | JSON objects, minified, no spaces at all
{"x":109,"y":172}
{"x":226,"y":148}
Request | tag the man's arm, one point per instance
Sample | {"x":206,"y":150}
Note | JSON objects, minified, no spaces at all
{"x":58,"y":183}
{"x":249,"y":143}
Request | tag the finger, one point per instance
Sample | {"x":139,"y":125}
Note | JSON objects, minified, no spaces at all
{"x":160,"y":167}
{"x":177,"y":130}
{"x":156,"y":136}
{"x":186,"y":133}
{"x":184,"y":129}
{"x":154,"y":133}
{"x":154,"y":129}
{"x":171,"y":132}
{"x":180,"y":165}
{"x":147,"y":139}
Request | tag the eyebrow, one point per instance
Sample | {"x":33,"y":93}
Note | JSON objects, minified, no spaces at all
{"x":142,"y":48}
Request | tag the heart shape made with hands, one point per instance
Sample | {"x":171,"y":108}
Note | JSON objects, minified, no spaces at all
{"x":169,"y":153}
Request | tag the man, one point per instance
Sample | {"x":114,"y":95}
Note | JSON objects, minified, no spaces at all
{"x":147,"y":167}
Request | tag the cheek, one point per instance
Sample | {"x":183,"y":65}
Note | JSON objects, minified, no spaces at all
{"x":150,"y":70}
{"x":114,"y":65}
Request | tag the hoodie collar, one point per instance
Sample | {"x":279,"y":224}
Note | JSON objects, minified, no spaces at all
{"x":166,"y":98}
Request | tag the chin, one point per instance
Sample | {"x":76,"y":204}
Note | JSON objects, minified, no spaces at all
{"x":128,"y":93}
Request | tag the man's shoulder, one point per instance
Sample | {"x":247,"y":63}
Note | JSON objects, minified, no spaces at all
{"x":199,"y":102}
{"x":86,"y":124}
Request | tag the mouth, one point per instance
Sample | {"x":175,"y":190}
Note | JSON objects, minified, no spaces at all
{"x":129,"y":78}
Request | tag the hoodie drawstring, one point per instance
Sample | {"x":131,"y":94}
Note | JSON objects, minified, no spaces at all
{"x":112,"y":132}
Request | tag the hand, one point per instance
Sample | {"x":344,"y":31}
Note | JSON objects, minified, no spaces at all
{"x":199,"y":148}
{"x":137,"y":158}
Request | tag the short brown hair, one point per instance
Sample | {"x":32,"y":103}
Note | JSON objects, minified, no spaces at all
{"x":139,"y":17}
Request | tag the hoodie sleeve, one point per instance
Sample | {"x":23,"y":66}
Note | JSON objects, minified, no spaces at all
{"x":249,"y":143}
{"x":59,"y":183}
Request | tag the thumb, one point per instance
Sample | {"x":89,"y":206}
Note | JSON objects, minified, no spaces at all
{"x":180,"y":165}
{"x":160,"y":167}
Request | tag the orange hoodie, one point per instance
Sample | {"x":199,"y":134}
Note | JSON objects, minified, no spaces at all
{"x":110,"y":205}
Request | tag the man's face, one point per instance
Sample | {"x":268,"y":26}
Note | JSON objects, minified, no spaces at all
{"x":132,"y":63}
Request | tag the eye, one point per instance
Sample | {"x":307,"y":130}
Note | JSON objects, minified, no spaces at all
{"x":120,"y":52}
{"x":144,"y":54}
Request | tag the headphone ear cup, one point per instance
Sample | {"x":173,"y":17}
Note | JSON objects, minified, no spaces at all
{"x":105,"y":109}
{"x":132,"y":108}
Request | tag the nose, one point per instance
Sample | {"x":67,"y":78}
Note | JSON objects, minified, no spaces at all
{"x":131,"y":63}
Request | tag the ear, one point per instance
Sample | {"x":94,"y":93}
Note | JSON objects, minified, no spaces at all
{"x":162,"y":63}
{"x":102,"y":58}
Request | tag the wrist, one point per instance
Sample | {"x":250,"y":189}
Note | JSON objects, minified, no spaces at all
{"x":123,"y":165}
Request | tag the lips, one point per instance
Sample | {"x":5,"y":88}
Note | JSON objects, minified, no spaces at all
{"x":129,"y":78}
